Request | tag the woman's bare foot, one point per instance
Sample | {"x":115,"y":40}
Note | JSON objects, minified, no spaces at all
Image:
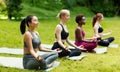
{"x":50,"y":65}
{"x":92,"y":51}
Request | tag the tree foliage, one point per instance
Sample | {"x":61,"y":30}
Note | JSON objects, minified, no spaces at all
{"x":107,"y":7}
{"x":2,"y":6}
{"x":46,"y":4}
{"x":47,"y":7}
{"x":14,"y":8}
{"x":117,"y":4}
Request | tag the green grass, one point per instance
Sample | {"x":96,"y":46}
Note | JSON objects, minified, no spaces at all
{"x":51,"y":11}
{"x":10,"y":37}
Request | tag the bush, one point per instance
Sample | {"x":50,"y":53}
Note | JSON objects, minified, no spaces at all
{"x":107,"y":8}
{"x":14,"y":8}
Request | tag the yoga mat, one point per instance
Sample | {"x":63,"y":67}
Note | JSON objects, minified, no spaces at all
{"x":17,"y":63}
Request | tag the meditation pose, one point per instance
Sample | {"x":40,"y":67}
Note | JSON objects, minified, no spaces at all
{"x":98,"y":31}
{"x":32,"y":43}
{"x":88,"y":44}
{"x":62,"y":34}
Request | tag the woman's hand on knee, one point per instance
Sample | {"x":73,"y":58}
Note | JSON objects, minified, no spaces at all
{"x":67,"y":48}
{"x":81,"y":47}
{"x":39,"y":58}
{"x":58,"y":50}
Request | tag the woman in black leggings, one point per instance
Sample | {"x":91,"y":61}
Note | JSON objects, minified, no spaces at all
{"x":61,"y":35}
{"x":98,"y":31}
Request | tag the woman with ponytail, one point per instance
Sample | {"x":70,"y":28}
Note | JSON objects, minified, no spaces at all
{"x":61,"y":37}
{"x":32,"y":43}
{"x":98,"y":31}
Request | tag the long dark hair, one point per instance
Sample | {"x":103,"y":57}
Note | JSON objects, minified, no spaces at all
{"x":97,"y":16}
{"x":24,"y":22}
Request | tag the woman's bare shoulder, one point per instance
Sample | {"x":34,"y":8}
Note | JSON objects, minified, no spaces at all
{"x":27,"y":34}
{"x":58,"y":27}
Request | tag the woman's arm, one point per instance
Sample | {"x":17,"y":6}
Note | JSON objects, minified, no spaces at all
{"x":96,"y":34}
{"x":71,"y":44}
{"x":28,"y":40}
{"x":80,"y":37}
{"x":100,"y":34}
{"x":79,"y":34}
{"x":58,"y":37}
{"x":44,"y":49}
{"x":105,"y":34}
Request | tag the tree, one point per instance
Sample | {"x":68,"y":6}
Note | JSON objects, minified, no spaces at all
{"x":117,"y":3}
{"x":69,"y":3}
{"x":2,"y":6}
{"x":104,"y":6}
{"x":14,"y":8}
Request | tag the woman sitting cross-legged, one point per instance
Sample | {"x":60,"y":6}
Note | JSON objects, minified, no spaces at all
{"x":98,"y":31}
{"x":88,"y":44}
{"x":62,"y":34}
{"x":32,"y":43}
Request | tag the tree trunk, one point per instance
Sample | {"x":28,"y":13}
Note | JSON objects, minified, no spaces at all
{"x":117,"y":11}
{"x":9,"y":16}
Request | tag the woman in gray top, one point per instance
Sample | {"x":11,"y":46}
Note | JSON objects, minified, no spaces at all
{"x":32,"y":43}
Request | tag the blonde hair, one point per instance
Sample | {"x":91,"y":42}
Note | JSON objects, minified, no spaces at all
{"x":63,"y":12}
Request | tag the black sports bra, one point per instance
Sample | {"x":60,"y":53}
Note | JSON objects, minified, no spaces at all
{"x":35,"y":42}
{"x":100,"y":29}
{"x":64,"y":34}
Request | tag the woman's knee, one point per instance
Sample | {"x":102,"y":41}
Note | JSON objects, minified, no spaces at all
{"x":111,"y":39}
{"x":75,"y":52}
{"x":104,"y":43}
{"x":55,"y":54}
{"x":43,"y":65}
{"x":32,"y":64}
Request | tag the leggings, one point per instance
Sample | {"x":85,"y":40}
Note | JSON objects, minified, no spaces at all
{"x":105,"y":42}
{"x":74,"y":52}
{"x":29,"y":62}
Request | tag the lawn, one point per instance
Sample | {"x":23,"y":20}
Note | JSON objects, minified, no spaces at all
{"x":110,"y":62}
